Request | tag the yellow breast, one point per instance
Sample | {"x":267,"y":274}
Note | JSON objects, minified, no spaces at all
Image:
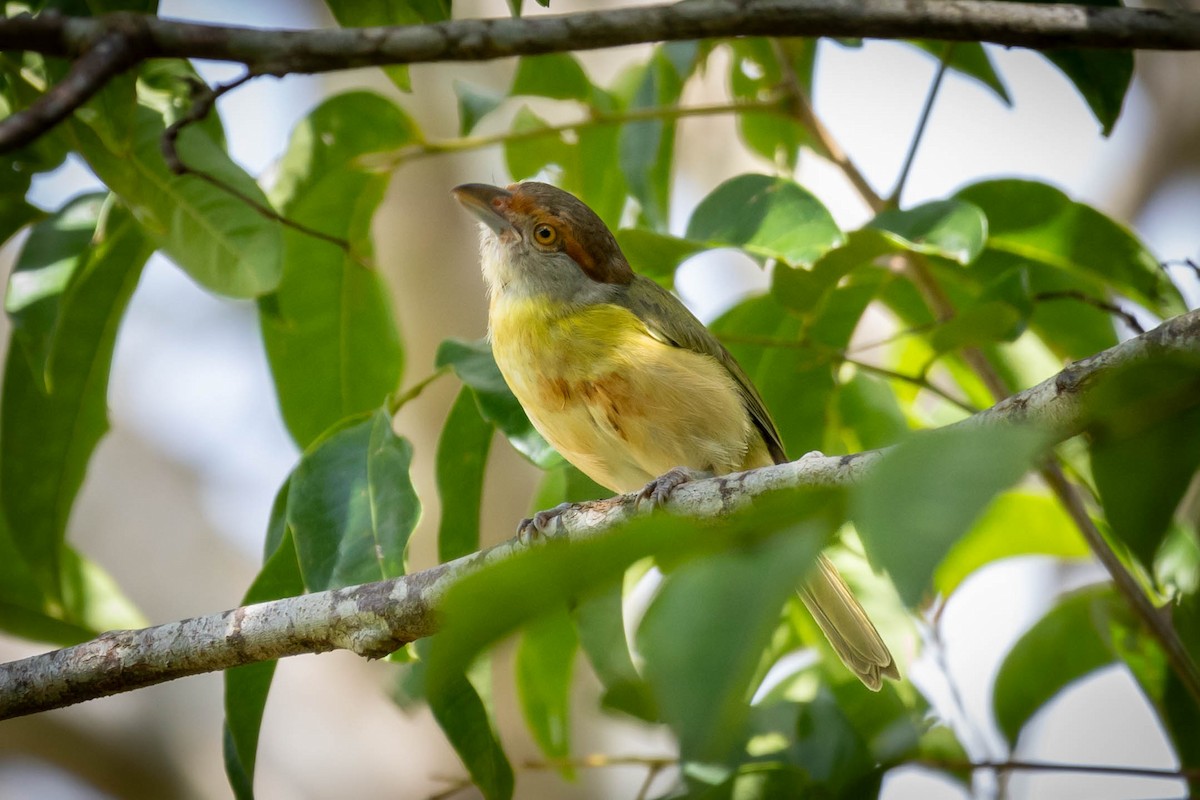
{"x":618,"y":403}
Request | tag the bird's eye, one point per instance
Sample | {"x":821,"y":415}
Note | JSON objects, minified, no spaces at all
{"x":545,"y":235}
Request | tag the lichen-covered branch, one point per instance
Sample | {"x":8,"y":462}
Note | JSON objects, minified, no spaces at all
{"x":374,"y":619}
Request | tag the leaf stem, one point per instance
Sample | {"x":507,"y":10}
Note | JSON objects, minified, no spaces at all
{"x":919,"y":381}
{"x":839,"y":356}
{"x":943,"y":65}
{"x":397,"y":400}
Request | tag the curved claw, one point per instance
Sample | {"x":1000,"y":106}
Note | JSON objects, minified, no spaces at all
{"x":657,"y":491}
{"x":541,"y":523}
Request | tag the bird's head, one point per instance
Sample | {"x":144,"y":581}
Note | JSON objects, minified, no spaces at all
{"x":539,"y":241}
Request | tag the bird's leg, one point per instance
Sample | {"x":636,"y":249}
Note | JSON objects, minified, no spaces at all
{"x":658,"y":490}
{"x":541,"y":523}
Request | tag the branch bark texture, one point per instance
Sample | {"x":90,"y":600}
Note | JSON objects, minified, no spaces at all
{"x":106,"y":45}
{"x":376,"y":618}
{"x":1036,"y":25}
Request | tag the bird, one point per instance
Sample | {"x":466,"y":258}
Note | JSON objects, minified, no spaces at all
{"x":624,"y":382}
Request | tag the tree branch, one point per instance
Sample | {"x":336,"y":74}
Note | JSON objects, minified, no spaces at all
{"x":376,"y":618}
{"x":1036,"y":25}
{"x":108,"y":44}
{"x":111,"y":55}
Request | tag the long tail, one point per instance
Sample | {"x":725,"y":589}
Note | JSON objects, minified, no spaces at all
{"x":846,"y":625}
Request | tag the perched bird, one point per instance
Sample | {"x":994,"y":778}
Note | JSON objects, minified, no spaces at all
{"x":623,"y":381}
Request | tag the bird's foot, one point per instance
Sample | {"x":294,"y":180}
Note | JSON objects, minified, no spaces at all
{"x":543,"y":523}
{"x":658,"y":490}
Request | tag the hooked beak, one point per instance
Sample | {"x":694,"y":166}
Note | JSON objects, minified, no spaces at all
{"x":488,"y":203}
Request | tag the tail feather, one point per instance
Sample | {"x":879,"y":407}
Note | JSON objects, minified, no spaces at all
{"x":845,"y":623}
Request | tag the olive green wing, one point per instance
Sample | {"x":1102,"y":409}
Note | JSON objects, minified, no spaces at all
{"x":668,"y":320}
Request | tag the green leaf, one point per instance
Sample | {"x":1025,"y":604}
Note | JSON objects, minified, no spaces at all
{"x":919,"y":500}
{"x":91,"y":600}
{"x":1042,"y":225}
{"x":762,"y":781}
{"x":49,"y":424}
{"x":948,"y":228}
{"x":461,"y":714}
{"x":352,"y":507}
{"x":15,"y":213}
{"x":868,"y":406}
{"x":1101,"y":76}
{"x":246,"y":687}
{"x":970,"y":59}
{"x":43,"y":154}
{"x":545,"y":657}
{"x":48,"y":261}
{"x":357,"y":14}
{"x":474,"y":103}
{"x":767,"y":217}
{"x":526,"y":157}
{"x":983,"y":323}
{"x":462,"y":454}
{"x":735,"y":598}
{"x":556,"y":75}
{"x":847,"y":730}
{"x":1100,"y":630}
{"x":220,"y":241}
{"x":646,"y":148}
{"x":332,"y":139}
{"x":1145,"y":446}
{"x":803,"y":290}
{"x":780,"y":371}
{"x":1071,"y":329}
{"x":92,"y":597}
{"x":474,"y":365}
{"x":24,"y":610}
{"x":600,"y":623}
{"x":755,"y":76}
{"x":329,"y":331}
{"x":655,"y":255}
{"x":1015,"y":524}
{"x":599,"y":185}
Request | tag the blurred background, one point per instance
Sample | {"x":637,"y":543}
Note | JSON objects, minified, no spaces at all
{"x":182,"y":485}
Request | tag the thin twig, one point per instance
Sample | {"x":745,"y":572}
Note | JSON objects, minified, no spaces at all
{"x":1182,"y":262}
{"x":1153,"y":618}
{"x":111,"y":55}
{"x":916,"y":380}
{"x":465,"y":143}
{"x":926,"y":110}
{"x":833,"y":355}
{"x":1111,"y":308}
{"x":1042,"y":766}
{"x":597,"y":760}
{"x":802,"y":110}
{"x":201,"y":106}
{"x":651,"y":773}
